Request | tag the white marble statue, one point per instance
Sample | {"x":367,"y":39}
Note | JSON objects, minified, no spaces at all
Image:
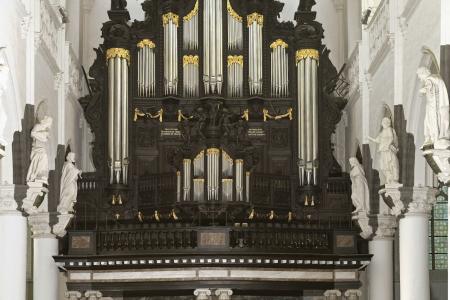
{"x":69,"y":189}
{"x":436,"y":124}
{"x":38,"y":170}
{"x":387,"y":148}
{"x":360,"y":188}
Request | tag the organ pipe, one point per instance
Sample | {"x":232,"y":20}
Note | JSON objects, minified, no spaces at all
{"x":190,"y":29}
{"x":186,"y":179}
{"x":146,"y":68}
{"x":170,"y":24}
{"x":235,"y":32}
{"x":239,"y":180}
{"x":212,"y":159}
{"x":212,"y":48}
{"x":308,"y":148}
{"x":190,"y":75}
{"x":178,"y":186}
{"x":255,"y":26}
{"x":279,"y":68}
{"x":247,"y":186}
{"x":118,"y":62}
{"x":235,"y":75}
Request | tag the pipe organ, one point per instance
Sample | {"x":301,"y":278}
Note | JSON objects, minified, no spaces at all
{"x":170,"y":24}
{"x":255,"y":29}
{"x":235,"y":30}
{"x":235,"y":75}
{"x":279,"y":71}
{"x":190,"y":76}
{"x":190,"y":29}
{"x":146,"y":68}
{"x":212,"y":47}
{"x":118,"y":60}
{"x":307,"y":90}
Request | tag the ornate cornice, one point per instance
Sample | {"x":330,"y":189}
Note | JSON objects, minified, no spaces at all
{"x":117,"y":52}
{"x":146,"y":43}
{"x":170,"y":17}
{"x":306,"y":53}
{"x":279,"y":43}
{"x":255,"y":17}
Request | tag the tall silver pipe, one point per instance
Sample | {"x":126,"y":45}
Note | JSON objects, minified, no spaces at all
{"x":239,"y":179}
{"x":117,"y":118}
{"x":219,"y":39}
{"x":124,"y":77}
{"x":111,"y":116}
{"x":178,"y":186}
{"x":301,"y":119}
{"x":315,"y":115}
{"x":247,"y":186}
{"x":186,"y":179}
{"x":206,"y":46}
{"x":309,"y":135}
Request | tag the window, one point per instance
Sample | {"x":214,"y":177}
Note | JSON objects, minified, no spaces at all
{"x":438,"y":232}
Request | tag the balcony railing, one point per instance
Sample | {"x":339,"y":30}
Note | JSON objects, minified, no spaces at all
{"x":379,"y":30}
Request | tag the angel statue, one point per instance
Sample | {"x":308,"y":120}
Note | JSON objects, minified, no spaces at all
{"x":69,"y":188}
{"x":387,"y":148}
{"x":436,"y":124}
{"x":38,"y":169}
{"x":360,"y":188}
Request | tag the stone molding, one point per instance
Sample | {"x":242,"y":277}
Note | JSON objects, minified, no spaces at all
{"x":394,"y":196}
{"x":93,"y":295}
{"x":40,"y":225}
{"x":441,"y":158}
{"x":353,"y":294}
{"x":73,"y":295}
{"x":387,"y":224}
{"x":7,"y":202}
{"x":422,"y":201}
{"x":224,"y":294}
{"x":35,"y":191}
{"x":332,"y":294}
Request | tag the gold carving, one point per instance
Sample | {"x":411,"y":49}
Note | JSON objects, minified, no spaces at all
{"x":212,"y":151}
{"x":170,"y":17}
{"x":268,"y":116}
{"x":190,"y":60}
{"x":235,"y":59}
{"x":305,"y":53}
{"x":255,"y":17}
{"x":139,"y":114}
{"x":245,"y":115}
{"x":118,"y":52}
{"x":278,"y":43}
{"x":181,"y":116}
{"x":146,"y":43}
{"x":192,"y":13}
{"x":233,"y":13}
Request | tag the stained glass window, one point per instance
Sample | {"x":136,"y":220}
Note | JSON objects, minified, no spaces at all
{"x":438,"y":232}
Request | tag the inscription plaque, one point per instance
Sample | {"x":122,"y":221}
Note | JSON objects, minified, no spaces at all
{"x":256,"y":132}
{"x":170,"y":132}
{"x":213,"y":239}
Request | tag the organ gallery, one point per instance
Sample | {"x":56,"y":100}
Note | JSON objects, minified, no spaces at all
{"x":212,"y":124}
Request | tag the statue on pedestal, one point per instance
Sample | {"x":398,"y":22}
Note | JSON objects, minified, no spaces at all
{"x":387,"y":148}
{"x":436,"y":123}
{"x":38,"y":169}
{"x":360,"y":188}
{"x":69,"y":188}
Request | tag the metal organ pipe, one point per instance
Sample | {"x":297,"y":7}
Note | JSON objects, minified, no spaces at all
{"x":235,"y":35}
{"x":213,"y":156}
{"x":235,"y":75}
{"x":146,"y":68}
{"x":255,"y":26}
{"x":190,"y":29}
{"x":239,"y":180}
{"x":212,"y":32}
{"x":190,"y":74}
{"x":186,"y":179}
{"x":117,"y":60}
{"x":307,"y":63}
{"x":170,"y":23}
{"x":279,"y":68}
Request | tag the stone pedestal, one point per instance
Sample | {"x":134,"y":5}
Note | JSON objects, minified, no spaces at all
{"x":202,"y":294}
{"x":414,"y":274}
{"x":93,"y":295}
{"x":36,"y":199}
{"x":224,"y":294}
{"x":392,"y":195}
{"x":381,"y":268}
{"x":13,"y":247}
{"x":438,"y":159}
{"x":354,"y":295}
{"x":332,"y":294}
{"x":364,"y":223}
{"x":59,"y":229}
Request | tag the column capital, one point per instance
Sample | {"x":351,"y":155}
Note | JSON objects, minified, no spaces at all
{"x":93,"y":295}
{"x":386,"y":226}
{"x":8,"y":205}
{"x":73,"y":295}
{"x":332,"y":294}
{"x":224,"y":294}
{"x":202,"y":294}
{"x":40,"y":225}
{"x":353,"y":294}
{"x":423,"y":199}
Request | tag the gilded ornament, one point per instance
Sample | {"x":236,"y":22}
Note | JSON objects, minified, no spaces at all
{"x":170,"y":17}
{"x":233,"y":13}
{"x":268,"y":116}
{"x":117,"y":52}
{"x":245,"y":115}
{"x":192,"y":13}
{"x":305,"y":53}
{"x":255,"y":17}
{"x":278,"y":43}
{"x":235,"y":59}
{"x":139,"y":114}
{"x":212,"y":151}
{"x":146,"y":43}
{"x":190,"y":60}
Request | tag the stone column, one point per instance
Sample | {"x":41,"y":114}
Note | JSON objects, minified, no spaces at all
{"x":73,"y":295}
{"x":93,"y":295}
{"x":224,"y":294}
{"x":381,"y":268}
{"x":202,"y":294}
{"x":445,"y":42}
{"x":332,"y":294}
{"x":414,"y":275}
{"x":354,"y":295}
{"x":13,"y":246}
{"x":45,"y":271}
